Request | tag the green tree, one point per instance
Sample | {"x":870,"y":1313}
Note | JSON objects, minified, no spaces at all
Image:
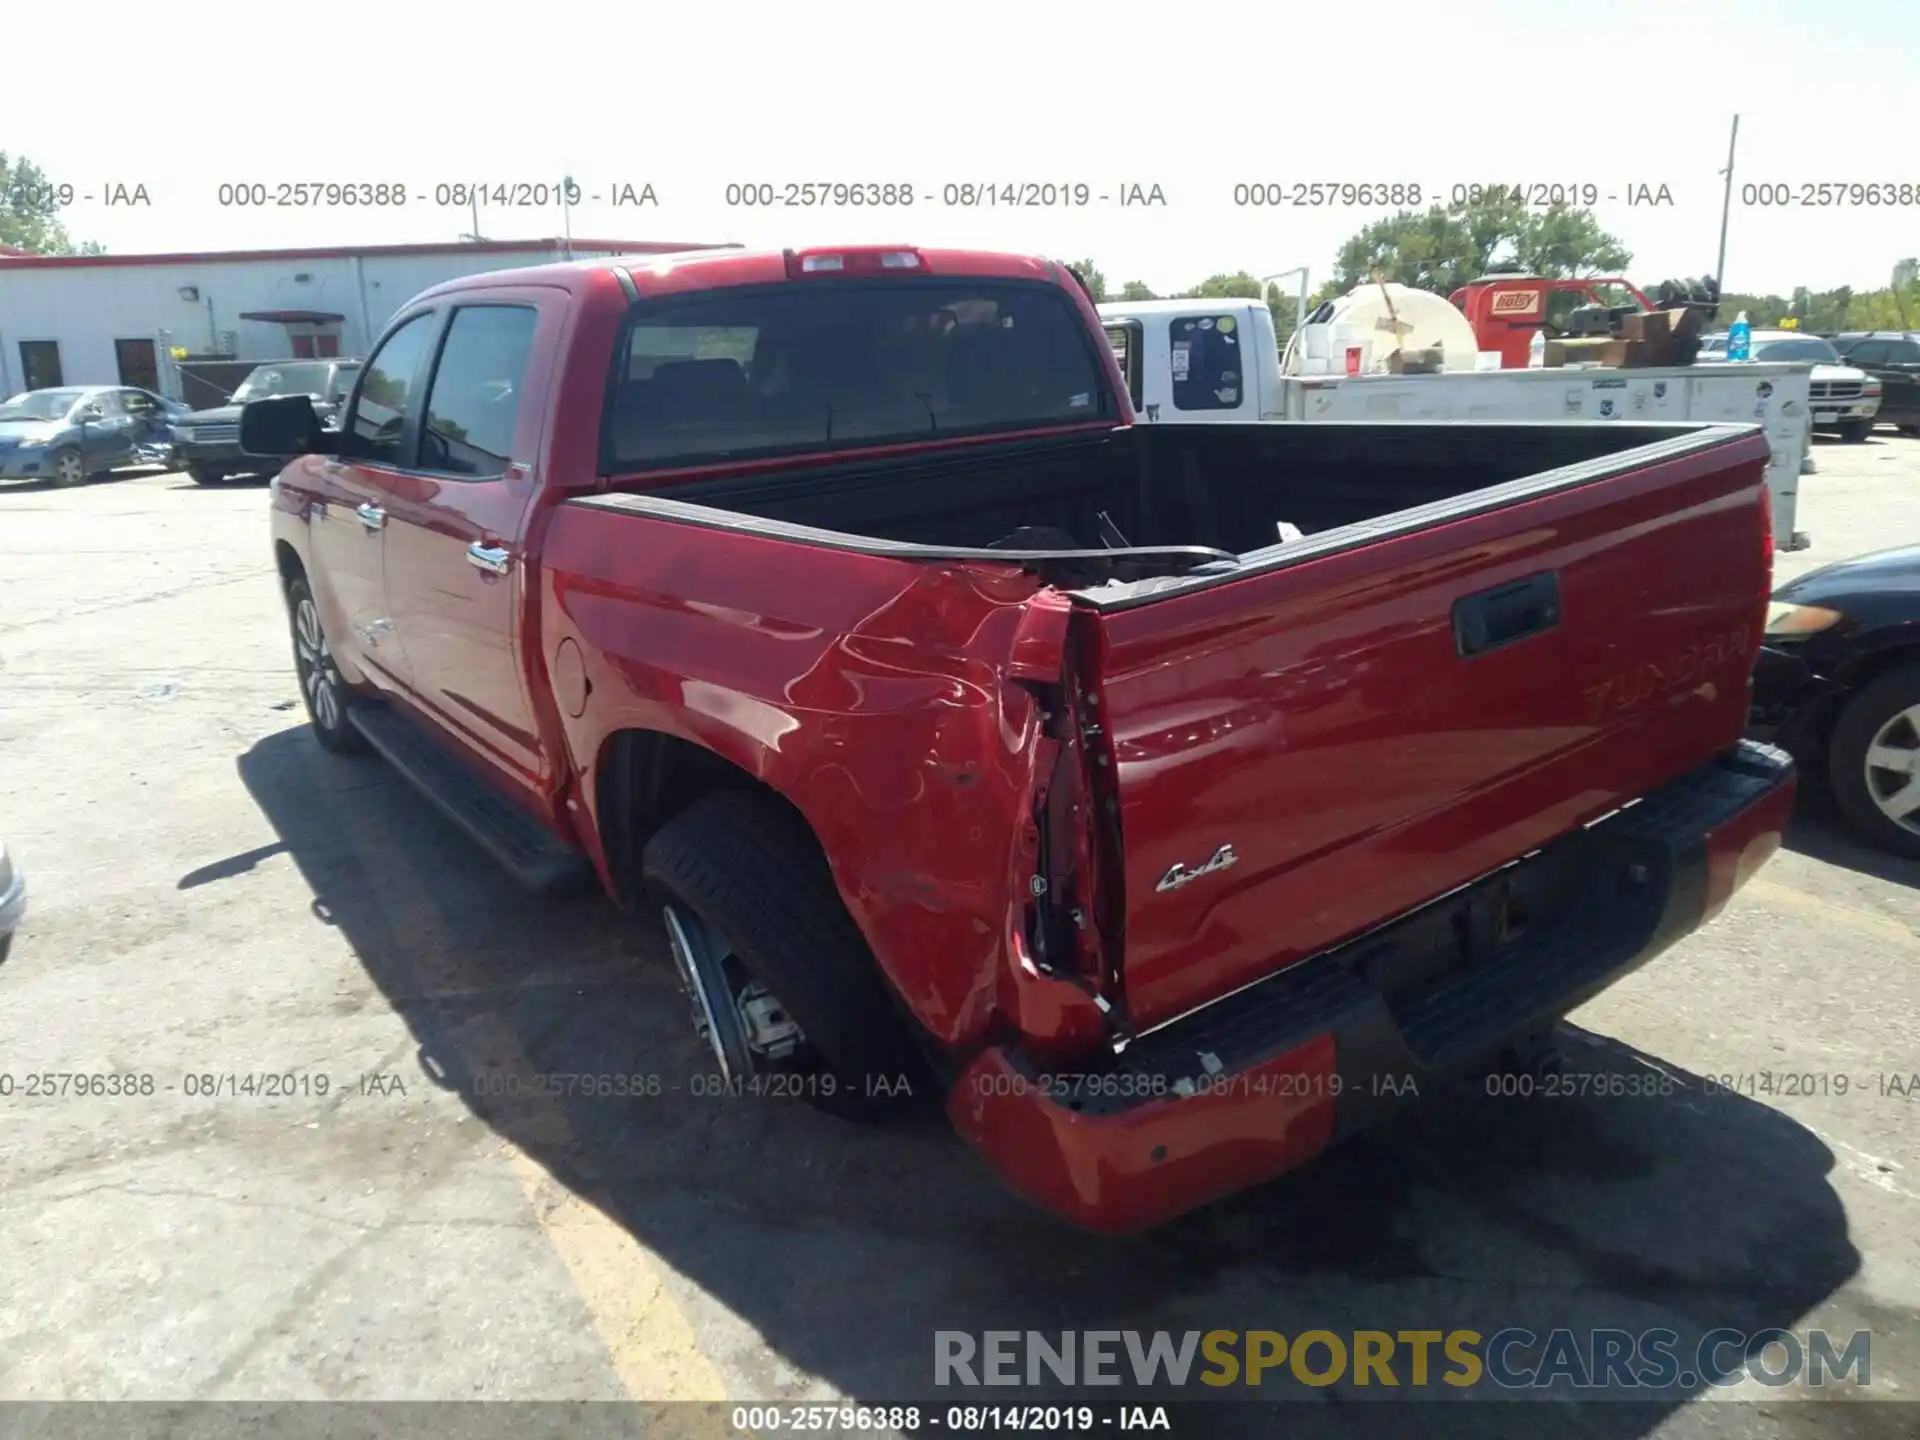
{"x":1764,"y":311}
{"x":1442,"y":248}
{"x":1096,"y":281}
{"x":1885,"y":309}
{"x":30,"y":206}
{"x":1241,"y":285}
{"x":1137,"y":290}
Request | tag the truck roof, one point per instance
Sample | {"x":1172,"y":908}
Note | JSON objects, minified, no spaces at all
{"x":1176,"y":306}
{"x":716,"y":267}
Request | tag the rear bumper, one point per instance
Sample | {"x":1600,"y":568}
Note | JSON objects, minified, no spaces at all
{"x":1264,"y":1080}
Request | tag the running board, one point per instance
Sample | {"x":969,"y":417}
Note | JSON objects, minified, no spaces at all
{"x":525,"y":848}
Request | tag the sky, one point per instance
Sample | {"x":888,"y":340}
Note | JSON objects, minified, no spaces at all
{"x":1192,"y":99}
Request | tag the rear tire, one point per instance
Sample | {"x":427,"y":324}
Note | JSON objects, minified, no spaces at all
{"x":1880,"y":724}
{"x":326,"y":695}
{"x":745,"y":884}
{"x":1855,"y":432}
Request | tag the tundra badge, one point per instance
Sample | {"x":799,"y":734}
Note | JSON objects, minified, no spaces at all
{"x":1180,"y":876}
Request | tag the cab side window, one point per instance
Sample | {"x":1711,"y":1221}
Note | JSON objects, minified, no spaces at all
{"x":475,"y":396}
{"x":1869,"y":352}
{"x":376,"y":430}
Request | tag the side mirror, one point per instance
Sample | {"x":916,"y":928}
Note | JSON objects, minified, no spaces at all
{"x":283,"y":426}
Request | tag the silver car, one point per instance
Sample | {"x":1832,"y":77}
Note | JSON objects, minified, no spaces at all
{"x":69,"y":432}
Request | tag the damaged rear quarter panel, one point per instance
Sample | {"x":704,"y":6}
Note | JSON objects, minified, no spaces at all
{"x":867,"y":691}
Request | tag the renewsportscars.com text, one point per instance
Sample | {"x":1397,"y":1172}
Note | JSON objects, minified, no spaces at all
{"x":1511,"y":1359}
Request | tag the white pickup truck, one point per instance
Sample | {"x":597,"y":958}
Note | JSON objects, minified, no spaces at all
{"x":1219,"y":362}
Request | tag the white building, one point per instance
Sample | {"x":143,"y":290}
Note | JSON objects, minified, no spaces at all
{"x":126,"y":319}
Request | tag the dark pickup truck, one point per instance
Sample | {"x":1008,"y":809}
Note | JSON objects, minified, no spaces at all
{"x":828,"y":605}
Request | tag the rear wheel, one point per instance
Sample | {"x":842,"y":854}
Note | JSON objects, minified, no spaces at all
{"x":1855,"y":431}
{"x":1874,"y":761}
{"x":784,"y":992}
{"x":321,"y":687}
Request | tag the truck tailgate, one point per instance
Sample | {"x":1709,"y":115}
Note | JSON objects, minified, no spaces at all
{"x":1306,"y":751}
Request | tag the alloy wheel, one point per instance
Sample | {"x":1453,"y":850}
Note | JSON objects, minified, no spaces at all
{"x":741,"y":1021}
{"x":319,"y":679}
{"x":1893,"y":768}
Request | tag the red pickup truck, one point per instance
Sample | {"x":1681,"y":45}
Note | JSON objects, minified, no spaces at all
{"x":1171,"y":799}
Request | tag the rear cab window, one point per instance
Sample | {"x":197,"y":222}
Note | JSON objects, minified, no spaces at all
{"x":836,"y":365}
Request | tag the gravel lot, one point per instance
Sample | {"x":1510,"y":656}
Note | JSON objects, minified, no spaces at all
{"x":213,"y":896}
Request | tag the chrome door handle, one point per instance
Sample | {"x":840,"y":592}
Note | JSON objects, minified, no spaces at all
{"x":371,"y":516}
{"x":490,"y":558}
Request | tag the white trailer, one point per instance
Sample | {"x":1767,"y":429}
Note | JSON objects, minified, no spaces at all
{"x":1219,"y":362}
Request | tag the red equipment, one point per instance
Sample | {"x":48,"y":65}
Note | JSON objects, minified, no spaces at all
{"x":1505,"y":310}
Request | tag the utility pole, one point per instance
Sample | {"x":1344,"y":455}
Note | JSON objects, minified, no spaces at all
{"x":566,"y":213}
{"x":1726,"y":208}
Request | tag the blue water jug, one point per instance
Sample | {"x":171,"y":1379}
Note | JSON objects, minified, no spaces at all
{"x":1740,"y":339}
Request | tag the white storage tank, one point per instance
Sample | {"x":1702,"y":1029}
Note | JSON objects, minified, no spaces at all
{"x":1377,"y":320}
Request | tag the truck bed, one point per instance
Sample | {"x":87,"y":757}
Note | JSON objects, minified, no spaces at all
{"x":1486,"y":636}
{"x":1222,"y":487}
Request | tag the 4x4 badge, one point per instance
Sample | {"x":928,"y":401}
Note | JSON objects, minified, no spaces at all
{"x":1180,"y":876}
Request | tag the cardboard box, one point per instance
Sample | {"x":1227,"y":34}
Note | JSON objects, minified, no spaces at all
{"x":1575,"y":352}
{"x":1655,"y":325}
{"x":1415,"y":362}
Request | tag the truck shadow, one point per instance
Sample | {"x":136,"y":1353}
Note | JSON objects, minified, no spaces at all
{"x":1820,"y":832}
{"x":847,"y":1249}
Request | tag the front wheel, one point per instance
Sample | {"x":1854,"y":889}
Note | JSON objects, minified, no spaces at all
{"x":321,"y":686}
{"x":784,"y":992}
{"x":69,"y":468}
{"x":1855,"y":432}
{"x":1874,"y":762}
{"x":206,"y":474}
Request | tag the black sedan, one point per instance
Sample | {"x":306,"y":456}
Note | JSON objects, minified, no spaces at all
{"x":1838,"y":685}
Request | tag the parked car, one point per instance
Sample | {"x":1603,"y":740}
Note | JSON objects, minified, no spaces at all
{"x":67,"y":433}
{"x":828,"y":605}
{"x":1837,"y":685}
{"x":13,"y":900}
{"x":1845,"y":400}
{"x":207,"y":442}
{"x":163,"y":414}
{"x":1891,"y":357}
